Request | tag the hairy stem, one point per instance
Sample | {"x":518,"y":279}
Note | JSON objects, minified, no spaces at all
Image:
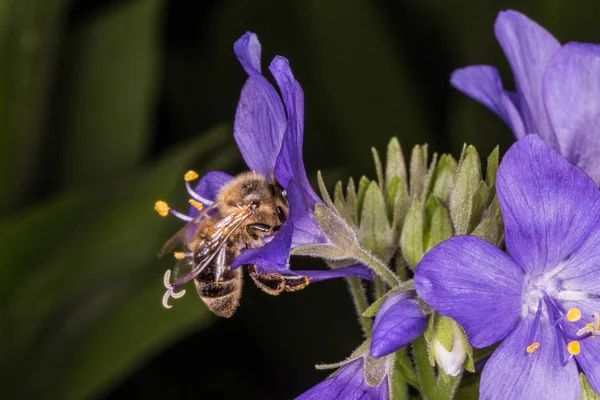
{"x":360,"y":303}
{"x":376,"y":265}
{"x":425,"y":373}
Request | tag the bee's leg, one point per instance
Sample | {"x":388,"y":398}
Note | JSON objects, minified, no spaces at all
{"x":254,"y":229}
{"x":272,"y":284}
{"x":295,"y":282}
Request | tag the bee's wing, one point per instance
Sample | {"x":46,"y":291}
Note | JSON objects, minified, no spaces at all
{"x":179,"y":238}
{"x":188,"y":268}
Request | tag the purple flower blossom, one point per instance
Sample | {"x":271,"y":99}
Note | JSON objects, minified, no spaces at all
{"x":558,"y":89}
{"x":268,"y":129}
{"x":541,"y":297}
{"x":398,"y":322}
{"x":350,"y":383}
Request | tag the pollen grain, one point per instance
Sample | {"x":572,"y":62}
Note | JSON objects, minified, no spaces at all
{"x":190,"y":176}
{"x":196,"y":204}
{"x":574,"y":348}
{"x":574,"y":314}
{"x":162,"y":208}
{"x":533,"y":347}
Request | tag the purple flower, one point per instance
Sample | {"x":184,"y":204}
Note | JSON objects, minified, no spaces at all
{"x":350,"y":383}
{"x":268,"y":129}
{"x":558,"y":89}
{"x":541,"y":297}
{"x":398,"y":322}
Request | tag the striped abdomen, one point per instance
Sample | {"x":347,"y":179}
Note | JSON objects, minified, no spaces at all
{"x":218,"y":286}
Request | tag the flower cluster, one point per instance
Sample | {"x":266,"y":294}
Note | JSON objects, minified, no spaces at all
{"x":459,"y":259}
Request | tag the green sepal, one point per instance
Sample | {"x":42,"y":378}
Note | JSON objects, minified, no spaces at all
{"x":335,"y":229}
{"x":438,"y":226}
{"x":324,"y":193}
{"x":372,"y":310}
{"x":428,"y":178}
{"x":397,"y":202}
{"x":325,"y":251}
{"x":395,"y":165}
{"x":352,"y":201}
{"x":362,"y":189}
{"x":443,"y":178}
{"x":346,"y":212}
{"x":411,"y":238}
{"x":378,"y":167}
{"x":587,"y":392}
{"x":375,"y":232}
{"x":418,"y":169}
{"x":466,"y":185}
{"x":492,"y":167}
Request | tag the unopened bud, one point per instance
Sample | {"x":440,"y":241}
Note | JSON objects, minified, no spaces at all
{"x":451,"y":362}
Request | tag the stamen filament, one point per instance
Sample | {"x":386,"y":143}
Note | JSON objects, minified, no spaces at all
{"x":180,"y":215}
{"x":196,"y":196}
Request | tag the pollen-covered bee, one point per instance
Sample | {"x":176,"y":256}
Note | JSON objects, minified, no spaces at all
{"x":246,"y":211}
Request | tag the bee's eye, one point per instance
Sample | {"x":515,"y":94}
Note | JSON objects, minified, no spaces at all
{"x":281,"y":215}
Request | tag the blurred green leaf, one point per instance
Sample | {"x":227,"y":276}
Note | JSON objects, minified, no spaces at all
{"x":29,"y":33}
{"x":89,"y":290}
{"x":109,"y":84}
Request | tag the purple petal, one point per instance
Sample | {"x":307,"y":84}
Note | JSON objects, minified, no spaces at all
{"x":259,"y":119}
{"x":572,"y":98}
{"x":483,"y":83}
{"x":398,"y":322}
{"x":306,"y":229}
{"x":549,"y":206}
{"x":475,"y":283}
{"x":357,"y":270}
{"x":348,"y":383}
{"x":208,"y":187}
{"x":290,"y":165}
{"x":588,"y":360}
{"x":247,"y":49}
{"x":512,"y":373}
{"x":528,"y":48}
{"x":275,"y":255}
{"x":581,"y":270}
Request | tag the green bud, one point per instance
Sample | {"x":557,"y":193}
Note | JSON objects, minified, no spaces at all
{"x":418,"y":170}
{"x":362,"y":189}
{"x":378,"y":167}
{"x":587,"y":392}
{"x":342,"y":207}
{"x":438,"y":226}
{"x":428,"y":179}
{"x":375,"y":233}
{"x":395,"y":165}
{"x":411,"y":238}
{"x":397,"y":201}
{"x":352,"y":201}
{"x":443,"y":178}
{"x":448,"y":345}
{"x":492,"y":167}
{"x":466,"y":186}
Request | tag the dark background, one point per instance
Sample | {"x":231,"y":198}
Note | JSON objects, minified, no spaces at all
{"x":104,"y":105}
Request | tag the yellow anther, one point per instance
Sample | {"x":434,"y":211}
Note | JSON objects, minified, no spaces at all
{"x":574,"y":348}
{"x":180,"y":255}
{"x":589,"y":325}
{"x":574,"y":314}
{"x":161,"y":208}
{"x":190,"y":176}
{"x":533,"y":347}
{"x":196,"y":204}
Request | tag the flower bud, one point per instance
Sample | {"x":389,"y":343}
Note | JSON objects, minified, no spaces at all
{"x":451,"y":361}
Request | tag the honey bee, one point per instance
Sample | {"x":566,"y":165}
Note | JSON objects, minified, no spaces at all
{"x":247,"y":210}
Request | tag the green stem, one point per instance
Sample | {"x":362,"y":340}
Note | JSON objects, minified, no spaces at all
{"x":379,"y":289}
{"x":360,"y":303}
{"x":405,"y":367}
{"x":446,"y":387}
{"x":376,"y":265}
{"x":425,"y":373}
